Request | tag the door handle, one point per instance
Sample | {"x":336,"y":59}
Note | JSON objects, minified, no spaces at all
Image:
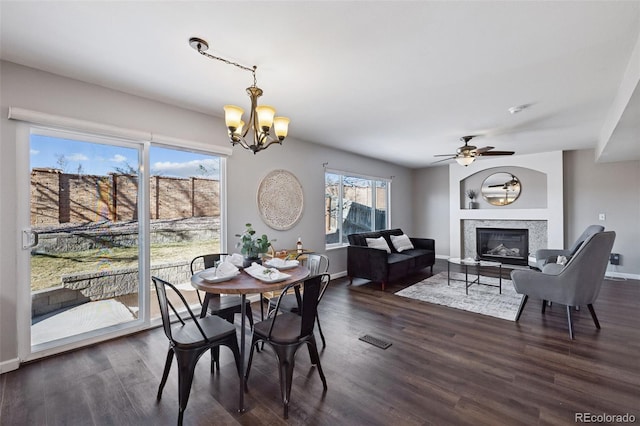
{"x":29,"y":239}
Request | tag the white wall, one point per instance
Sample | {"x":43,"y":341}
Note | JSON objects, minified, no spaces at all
{"x":549,"y":163}
{"x":40,"y":91}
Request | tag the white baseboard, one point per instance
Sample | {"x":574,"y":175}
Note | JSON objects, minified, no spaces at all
{"x":338,"y":275}
{"x":9,"y":365}
{"x":623,"y":275}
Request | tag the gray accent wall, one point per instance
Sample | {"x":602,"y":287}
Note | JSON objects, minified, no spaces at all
{"x":305,"y":161}
{"x":611,"y":188}
{"x":431,"y":206}
{"x":45,"y":92}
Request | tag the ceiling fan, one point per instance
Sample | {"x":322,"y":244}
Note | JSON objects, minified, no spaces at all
{"x":466,"y":154}
{"x":508,"y":185}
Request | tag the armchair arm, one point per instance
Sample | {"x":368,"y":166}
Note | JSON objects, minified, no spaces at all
{"x":538,"y":284}
{"x":424,"y":243}
{"x":367,"y":262}
{"x":547,"y":253}
{"x":552,"y":268}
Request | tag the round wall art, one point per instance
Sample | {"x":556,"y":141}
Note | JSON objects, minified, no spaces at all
{"x":280,"y":200}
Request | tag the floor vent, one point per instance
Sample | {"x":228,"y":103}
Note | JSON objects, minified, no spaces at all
{"x":375,"y":341}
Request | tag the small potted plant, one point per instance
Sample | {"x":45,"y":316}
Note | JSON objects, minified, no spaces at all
{"x":472,"y":194}
{"x":252,"y":246}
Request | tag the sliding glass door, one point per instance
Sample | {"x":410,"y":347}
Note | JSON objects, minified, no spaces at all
{"x":185,"y":215}
{"x":103,"y":216}
{"x":85,"y":247}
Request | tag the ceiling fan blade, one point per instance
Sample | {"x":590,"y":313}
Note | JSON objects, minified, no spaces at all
{"x":500,"y":185}
{"x":483,"y":149}
{"x":445,"y":155}
{"x":497,"y":153}
{"x":444,"y":159}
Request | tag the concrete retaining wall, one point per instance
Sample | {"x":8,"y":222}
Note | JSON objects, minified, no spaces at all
{"x":81,"y":288}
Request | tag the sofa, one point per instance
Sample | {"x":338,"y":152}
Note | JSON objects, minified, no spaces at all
{"x":384,"y":265}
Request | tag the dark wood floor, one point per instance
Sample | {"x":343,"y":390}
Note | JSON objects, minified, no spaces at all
{"x":445,"y":367}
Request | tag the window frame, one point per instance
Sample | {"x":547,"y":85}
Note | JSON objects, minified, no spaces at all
{"x":373,"y":180}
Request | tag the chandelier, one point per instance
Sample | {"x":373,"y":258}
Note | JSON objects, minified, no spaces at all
{"x":262,"y":118}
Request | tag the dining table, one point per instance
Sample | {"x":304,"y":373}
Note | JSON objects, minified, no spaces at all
{"x":243,"y":284}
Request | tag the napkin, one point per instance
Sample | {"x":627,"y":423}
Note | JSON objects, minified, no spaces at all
{"x":226,"y":269}
{"x":236,"y":259}
{"x":223,"y":270}
{"x":280,"y":263}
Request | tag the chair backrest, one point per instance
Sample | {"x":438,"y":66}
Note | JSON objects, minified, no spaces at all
{"x":205,"y":261}
{"x":317,"y":263}
{"x":310,"y":300}
{"x":584,"y":273}
{"x":165,"y":304}
{"x":591,"y":229}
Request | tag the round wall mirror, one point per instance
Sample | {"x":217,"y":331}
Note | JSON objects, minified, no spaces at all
{"x":501,"y":189}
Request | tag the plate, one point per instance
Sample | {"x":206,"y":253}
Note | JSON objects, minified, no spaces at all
{"x":210,"y":276}
{"x":258,"y":272}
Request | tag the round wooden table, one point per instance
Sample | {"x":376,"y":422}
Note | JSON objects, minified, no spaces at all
{"x":244,"y":284}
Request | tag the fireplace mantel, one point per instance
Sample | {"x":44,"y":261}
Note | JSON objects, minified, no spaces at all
{"x":549,"y":163}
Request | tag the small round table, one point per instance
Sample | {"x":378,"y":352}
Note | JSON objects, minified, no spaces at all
{"x":244,"y":284}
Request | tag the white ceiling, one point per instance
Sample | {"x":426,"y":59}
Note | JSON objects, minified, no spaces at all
{"x":399,"y":81}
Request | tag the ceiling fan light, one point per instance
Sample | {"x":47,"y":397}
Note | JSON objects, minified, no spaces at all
{"x":465,"y":161}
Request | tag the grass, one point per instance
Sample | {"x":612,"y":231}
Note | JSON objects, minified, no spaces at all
{"x":47,"y":269}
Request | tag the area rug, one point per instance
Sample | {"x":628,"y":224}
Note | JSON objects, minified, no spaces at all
{"x":482,"y":299}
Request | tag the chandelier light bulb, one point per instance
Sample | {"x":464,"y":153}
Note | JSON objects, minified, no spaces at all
{"x":233,"y":117}
{"x":281,"y":127}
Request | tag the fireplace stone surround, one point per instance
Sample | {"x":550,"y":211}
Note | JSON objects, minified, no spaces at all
{"x":537,"y":233}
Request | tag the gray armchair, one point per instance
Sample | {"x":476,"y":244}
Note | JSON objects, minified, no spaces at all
{"x":543,"y":255}
{"x":574,"y":284}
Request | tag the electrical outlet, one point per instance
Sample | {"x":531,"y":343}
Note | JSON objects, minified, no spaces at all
{"x":602,"y":216}
{"x":614,"y":258}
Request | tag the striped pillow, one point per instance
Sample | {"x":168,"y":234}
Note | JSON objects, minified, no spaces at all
{"x":401,"y":242}
{"x":378,"y":243}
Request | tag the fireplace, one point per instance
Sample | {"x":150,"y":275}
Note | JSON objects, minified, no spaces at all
{"x":504,"y":245}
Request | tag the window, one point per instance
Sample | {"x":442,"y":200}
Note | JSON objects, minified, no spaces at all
{"x":354,"y":204}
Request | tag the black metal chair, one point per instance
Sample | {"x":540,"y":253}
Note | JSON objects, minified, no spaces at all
{"x":287,"y":332}
{"x":222,"y":306}
{"x":318,"y":264}
{"x":188,"y":340}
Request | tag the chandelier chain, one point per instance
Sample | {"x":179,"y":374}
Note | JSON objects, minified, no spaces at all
{"x":235,"y":64}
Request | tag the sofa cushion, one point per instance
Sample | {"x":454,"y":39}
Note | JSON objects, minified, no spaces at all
{"x":401,"y":242}
{"x":421,"y":257}
{"x":378,"y":243}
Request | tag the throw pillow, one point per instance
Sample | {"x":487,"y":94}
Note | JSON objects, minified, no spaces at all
{"x":401,"y":242}
{"x":378,"y":243}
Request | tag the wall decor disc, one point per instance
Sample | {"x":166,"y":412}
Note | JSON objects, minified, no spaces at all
{"x":280,"y":200}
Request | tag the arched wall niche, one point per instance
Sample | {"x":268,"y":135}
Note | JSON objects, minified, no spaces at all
{"x":543,"y":172}
{"x":533,"y":193}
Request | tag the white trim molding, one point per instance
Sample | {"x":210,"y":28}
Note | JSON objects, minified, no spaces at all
{"x":9,"y":365}
{"x":74,"y":124}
